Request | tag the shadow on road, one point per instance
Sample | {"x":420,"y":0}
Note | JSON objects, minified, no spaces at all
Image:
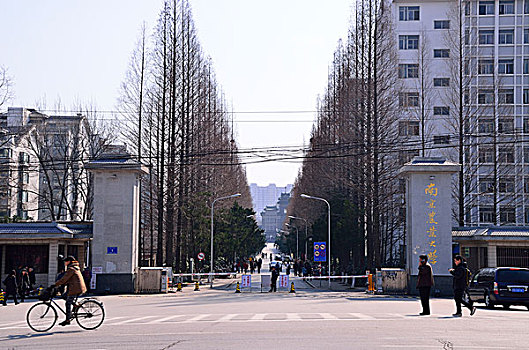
{"x":35,"y":335}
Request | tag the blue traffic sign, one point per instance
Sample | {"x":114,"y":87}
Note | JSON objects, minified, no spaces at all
{"x":320,"y":251}
{"x":112,"y":250}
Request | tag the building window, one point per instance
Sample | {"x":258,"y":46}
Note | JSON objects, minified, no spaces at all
{"x":409,"y":99}
{"x":5,"y":153}
{"x":486,"y":155}
{"x":506,"y":7}
{"x":409,"y":13}
{"x":24,"y":178}
{"x":24,"y":196}
{"x":486,"y":185}
{"x":526,"y":154}
{"x":506,"y":155}
{"x":23,"y":158}
{"x":486,"y":8}
{"x":506,"y":185}
{"x":486,"y":37}
{"x":441,"y":110}
{"x":525,"y":96}
{"x":485,"y":126}
{"x":526,"y":185}
{"x":513,"y":256}
{"x":467,"y":8}
{"x":526,"y":6}
{"x":506,"y":36}
{"x":506,"y":125}
{"x":441,"y":139}
{"x":408,"y":70}
{"x":526,"y":36}
{"x":485,"y":67}
{"x":444,"y":24}
{"x":507,"y":216}
{"x":407,"y":156}
{"x":506,"y":96}
{"x":22,"y":214}
{"x":408,"y":42}
{"x":526,"y":66}
{"x":486,"y":214}
{"x":408,"y":128}
{"x":506,"y":66}
{"x":441,"y":82}
{"x":441,"y":53}
{"x":35,"y":256}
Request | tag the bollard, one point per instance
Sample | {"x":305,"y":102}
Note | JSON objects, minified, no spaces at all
{"x":196,"y":287}
{"x":179,"y":287}
{"x":371,"y":285}
{"x":2,"y":298}
{"x":238,"y":288}
{"x":292,"y":290}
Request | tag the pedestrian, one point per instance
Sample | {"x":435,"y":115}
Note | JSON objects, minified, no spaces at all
{"x":288,"y":269}
{"x":259,"y":264}
{"x":460,"y":285}
{"x":11,"y":287}
{"x":273,"y":280}
{"x":252,"y":266}
{"x":425,"y":283}
{"x":239,"y":266}
{"x":32,"y":277}
{"x":23,"y":284}
{"x":245,"y":267}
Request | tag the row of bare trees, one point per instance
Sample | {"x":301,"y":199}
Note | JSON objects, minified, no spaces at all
{"x":179,"y":125}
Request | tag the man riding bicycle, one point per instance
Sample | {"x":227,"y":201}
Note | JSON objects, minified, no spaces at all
{"x":75,"y":283}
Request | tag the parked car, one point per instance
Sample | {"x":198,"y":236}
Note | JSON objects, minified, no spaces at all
{"x":504,"y":286}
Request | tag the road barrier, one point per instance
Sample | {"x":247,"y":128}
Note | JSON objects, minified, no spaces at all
{"x":179,"y":287}
{"x":238,"y":288}
{"x":197,"y":288}
{"x":292,"y":290}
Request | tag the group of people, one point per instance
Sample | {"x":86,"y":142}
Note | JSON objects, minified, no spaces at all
{"x":19,"y":283}
{"x":244,"y":264}
{"x":425,"y":282}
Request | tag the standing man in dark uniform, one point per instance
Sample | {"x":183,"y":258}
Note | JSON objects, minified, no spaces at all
{"x":273,"y":280}
{"x":425,"y":283}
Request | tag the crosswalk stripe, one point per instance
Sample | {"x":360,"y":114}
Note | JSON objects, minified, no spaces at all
{"x":328,"y":316}
{"x":293,"y":317}
{"x":362,"y":316}
{"x":164,"y":319}
{"x":7,"y":325}
{"x":226,"y":317}
{"x":196,"y":318}
{"x":132,"y":320}
{"x":258,"y":317}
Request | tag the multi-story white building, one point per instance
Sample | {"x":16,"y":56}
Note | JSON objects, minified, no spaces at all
{"x":41,"y":166}
{"x":494,"y":90}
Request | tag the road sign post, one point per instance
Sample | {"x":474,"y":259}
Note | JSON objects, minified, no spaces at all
{"x":320,"y":251}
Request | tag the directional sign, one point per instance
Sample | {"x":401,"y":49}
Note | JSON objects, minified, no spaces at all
{"x":320,"y":251}
{"x":246,"y":281}
{"x":283,"y":281}
{"x":201,"y":256}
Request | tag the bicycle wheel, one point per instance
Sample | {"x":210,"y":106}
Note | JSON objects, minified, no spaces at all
{"x":90,"y":314}
{"x":41,"y":317}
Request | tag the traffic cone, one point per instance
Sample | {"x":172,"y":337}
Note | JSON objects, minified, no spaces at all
{"x":179,"y":287}
{"x":292,"y":289}
{"x":238,"y":288}
{"x":196,"y":287}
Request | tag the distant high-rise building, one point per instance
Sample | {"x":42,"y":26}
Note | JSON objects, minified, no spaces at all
{"x":263,"y":196}
{"x":273,"y":217}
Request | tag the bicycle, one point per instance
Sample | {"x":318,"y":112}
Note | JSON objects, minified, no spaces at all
{"x":41,"y":317}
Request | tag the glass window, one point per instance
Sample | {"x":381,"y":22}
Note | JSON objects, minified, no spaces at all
{"x":526,"y":36}
{"x":506,"y":7}
{"x":526,"y":154}
{"x":409,"y":13}
{"x":486,"y":185}
{"x":444,"y":24}
{"x":526,"y":66}
{"x":441,"y":82}
{"x":25,"y":177}
{"x":408,"y":70}
{"x":506,"y":185}
{"x":441,"y":139}
{"x":525,"y":96}
{"x":506,"y":96}
{"x":408,"y":128}
{"x":526,"y":6}
{"x":408,"y":42}
{"x":506,"y":66}
{"x":441,"y":110}
{"x":526,"y":185}
{"x":506,"y":125}
{"x":506,"y":155}
{"x":409,"y":99}
{"x":485,"y":67}
{"x":35,"y":256}
{"x":5,"y":153}
{"x":486,"y":126}
{"x":507,"y":215}
{"x":486,"y":8}
{"x":486,"y":37}
{"x":406,"y":156}
{"x":486,"y":155}
{"x":485,"y":97}
{"x":486,"y":214}
{"x":24,"y":196}
{"x":506,"y":36}
{"x":441,"y":53}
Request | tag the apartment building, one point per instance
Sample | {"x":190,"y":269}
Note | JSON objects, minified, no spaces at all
{"x":494,"y":90}
{"x":41,"y":166}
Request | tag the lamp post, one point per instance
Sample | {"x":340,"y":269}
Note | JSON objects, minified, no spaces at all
{"x":306,"y":231}
{"x":329,"y":229}
{"x":212,"y":210}
{"x":297,"y":239}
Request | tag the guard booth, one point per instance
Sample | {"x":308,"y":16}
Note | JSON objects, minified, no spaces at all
{"x":153,"y":279}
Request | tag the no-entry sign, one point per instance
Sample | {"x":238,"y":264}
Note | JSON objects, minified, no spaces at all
{"x":201,"y":256}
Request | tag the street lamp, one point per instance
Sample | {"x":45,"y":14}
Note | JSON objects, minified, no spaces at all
{"x":306,"y":231}
{"x":297,"y":239}
{"x":212,"y":208}
{"x":329,"y":229}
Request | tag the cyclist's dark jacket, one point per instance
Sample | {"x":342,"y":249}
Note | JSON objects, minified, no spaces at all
{"x":73,"y":279}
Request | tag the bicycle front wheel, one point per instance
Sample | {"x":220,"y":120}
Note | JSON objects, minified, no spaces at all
{"x":41,"y":317}
{"x":90,"y":314}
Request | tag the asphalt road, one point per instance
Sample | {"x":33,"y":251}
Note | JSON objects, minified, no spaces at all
{"x":308,"y":319}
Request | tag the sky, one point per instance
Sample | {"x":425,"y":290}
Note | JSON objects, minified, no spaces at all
{"x":271,"y":58}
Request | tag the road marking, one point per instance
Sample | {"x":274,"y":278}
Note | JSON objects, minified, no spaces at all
{"x":132,"y":320}
{"x":258,"y":317}
{"x":13,"y":325}
{"x":196,"y":318}
{"x":362,"y":316}
{"x":226,"y":318}
{"x":328,"y":316}
{"x":293,"y":317}
{"x":164,"y":319}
